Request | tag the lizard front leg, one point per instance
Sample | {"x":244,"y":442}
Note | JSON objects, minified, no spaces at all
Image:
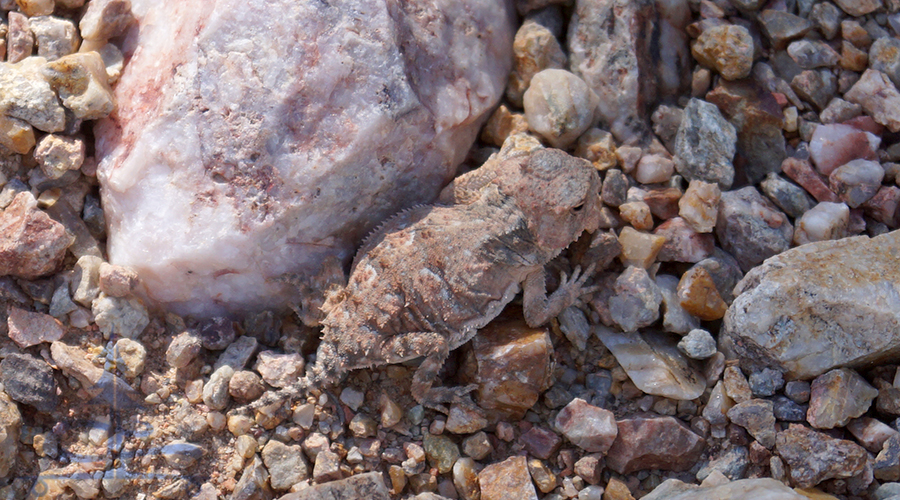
{"x":539,"y":308}
{"x":435,"y":349}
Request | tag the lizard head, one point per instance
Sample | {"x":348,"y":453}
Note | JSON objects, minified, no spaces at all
{"x":560,"y":197}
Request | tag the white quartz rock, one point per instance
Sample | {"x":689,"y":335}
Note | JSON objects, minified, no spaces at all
{"x":252,"y":140}
{"x":818,"y":306}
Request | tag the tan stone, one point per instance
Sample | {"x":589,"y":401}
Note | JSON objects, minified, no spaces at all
{"x":16,"y":135}
{"x":639,"y":249}
{"x":507,"y":479}
{"x":698,"y":295}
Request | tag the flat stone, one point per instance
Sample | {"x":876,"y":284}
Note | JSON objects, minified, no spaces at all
{"x":101,"y":386}
{"x":183,"y":349}
{"x":730,"y":462}
{"x":879,"y":97}
{"x":705,"y":145}
{"x":590,"y":428}
{"x":238,"y":353}
{"x":743,"y":489}
{"x":859,"y":7}
{"x":55,"y":37}
{"x":871,"y":433}
{"x":793,"y":311}
{"x":758,"y":120}
{"x":609,"y":49}
{"x":825,"y":221}
{"x":540,"y":442}
{"x":28,"y":328}
{"x":816,"y":87}
{"x":638,"y":248}
{"x":182,"y":454}
{"x":781,"y":27}
{"x":337,"y":144}
{"x":29,"y":380}
{"x":751,"y":228}
{"x":369,"y":485}
{"x":726,"y":48}
{"x":837,"y":397}
{"x":105,"y":19}
{"x":504,"y":392}
{"x":813,"y":456}
{"x":507,"y":479}
{"x":31,"y":243}
{"x":884,"y":207}
{"x":465,"y":420}
{"x":654,"y":442}
{"x":20,"y":39}
{"x":811,"y":54}
{"x":839,"y":110}
{"x":663,"y":202}
{"x":653,"y":362}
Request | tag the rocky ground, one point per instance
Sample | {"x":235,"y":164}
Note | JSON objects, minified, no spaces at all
{"x":698,"y":362}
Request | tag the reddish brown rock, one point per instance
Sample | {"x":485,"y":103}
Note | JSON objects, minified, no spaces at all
{"x":507,"y":479}
{"x":802,"y":173}
{"x":28,"y":328}
{"x":512,"y":365}
{"x":838,"y":396}
{"x":31,"y":243}
{"x":663,"y":202}
{"x":590,"y":428}
{"x":814,"y":457}
{"x":654,"y":442}
{"x":836,"y":144}
{"x":540,"y":442}
{"x":883,"y":207}
{"x":699,"y":296}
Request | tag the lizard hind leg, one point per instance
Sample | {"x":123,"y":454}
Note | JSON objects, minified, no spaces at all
{"x":435,"y":349}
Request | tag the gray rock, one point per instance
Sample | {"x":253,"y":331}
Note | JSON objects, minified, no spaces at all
{"x":182,"y":454}
{"x":26,"y":95}
{"x":839,"y":110}
{"x":698,"y":344}
{"x":636,"y":300}
{"x":115,"y":482}
{"x":120,"y":316}
{"x":285,"y":464}
{"x":54,"y":36}
{"x":838,"y":396}
{"x":879,"y":97}
{"x":883,"y":56}
{"x":811,"y":54}
{"x":327,"y":467}
{"x":238,"y":353}
{"x":62,"y":304}
{"x":887,"y":490}
{"x":815,"y":87}
{"x":369,"y":485}
{"x":675,"y":318}
{"x":789,"y":411}
{"x":781,"y":27}
{"x":758,"y":417}
{"x":724,"y":271}
{"x":615,"y":188}
{"x":789,"y":197}
{"x":887,"y":462}
{"x":731,"y":462}
{"x":215,"y":392}
{"x":705,"y":145}
{"x":858,"y":8}
{"x":802,"y":311}
{"x":811,"y":456}
{"x":766,"y":382}
{"x":29,"y":380}
{"x":337,"y":144}
{"x":827,"y":18}
{"x":86,"y":280}
{"x":798,"y":391}
{"x":217,"y":333}
{"x":751,"y":228}
{"x":857,"y":181}
{"x":609,"y":49}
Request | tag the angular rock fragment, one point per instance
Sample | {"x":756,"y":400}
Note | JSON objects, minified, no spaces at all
{"x":81,"y":82}
{"x":802,"y":173}
{"x":369,"y":485}
{"x":105,"y":19}
{"x":879,"y":97}
{"x":705,"y":145}
{"x":27,"y":328}
{"x":838,"y":396}
{"x":24,"y":94}
{"x":639,"y":249}
{"x":636,"y":300}
{"x":790,"y":198}
{"x":31,"y":243}
{"x":29,"y":380}
{"x":857,"y":181}
{"x":586,"y":426}
{"x":559,"y":106}
{"x":815,"y":457}
{"x":825,"y":221}
{"x":654,"y":442}
{"x":503,"y":391}
{"x":817,"y":307}
{"x":675,"y":318}
{"x":535,"y":49}
{"x":653,"y":362}
{"x":255,"y":159}
{"x":698,"y":295}
{"x":871,"y":433}
{"x":507,"y":479}
{"x":727,"y":48}
{"x":102,"y":386}
{"x":758,"y":417}
{"x":751,"y":228}
{"x":683,"y":243}
{"x":55,"y":37}
{"x":883,"y":56}
{"x":10,"y":426}
{"x":835,"y":145}
{"x":630,"y":53}
{"x":781,"y":27}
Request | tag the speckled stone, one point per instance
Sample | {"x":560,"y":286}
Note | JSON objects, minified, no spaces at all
{"x":507,"y":479}
{"x":337,"y":144}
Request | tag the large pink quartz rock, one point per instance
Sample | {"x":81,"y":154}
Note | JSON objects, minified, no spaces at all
{"x":253,"y":139}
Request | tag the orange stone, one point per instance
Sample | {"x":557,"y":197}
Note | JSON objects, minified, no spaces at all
{"x":507,"y":479}
{"x":698,"y":295}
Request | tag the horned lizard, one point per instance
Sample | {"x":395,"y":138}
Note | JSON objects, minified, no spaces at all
{"x":427,"y":280}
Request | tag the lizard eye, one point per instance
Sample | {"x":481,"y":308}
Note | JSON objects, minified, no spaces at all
{"x":577,"y":208}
